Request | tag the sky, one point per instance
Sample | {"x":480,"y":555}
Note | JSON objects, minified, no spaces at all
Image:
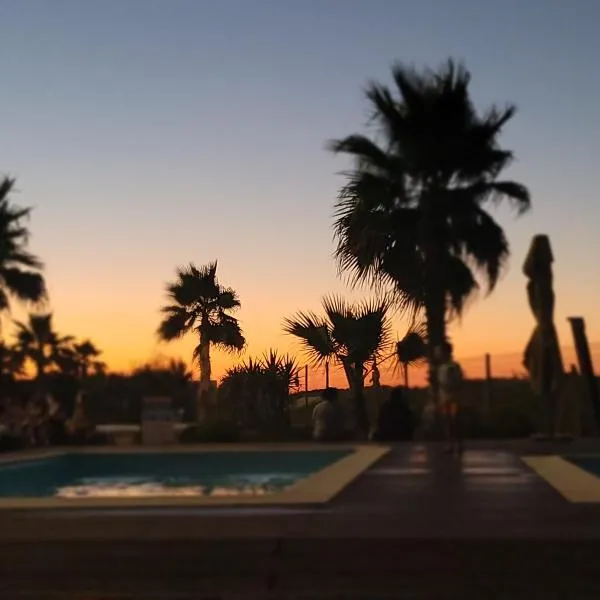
{"x":151,"y":133}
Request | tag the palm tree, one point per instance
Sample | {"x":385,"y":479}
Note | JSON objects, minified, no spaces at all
{"x":412,"y":212}
{"x":87,"y":358}
{"x":38,"y":342}
{"x":78,"y":359}
{"x":199,"y":303}
{"x":20,"y":276}
{"x":349,"y":335}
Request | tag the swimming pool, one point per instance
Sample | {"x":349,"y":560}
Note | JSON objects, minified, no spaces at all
{"x":591,"y":464}
{"x":179,"y":475}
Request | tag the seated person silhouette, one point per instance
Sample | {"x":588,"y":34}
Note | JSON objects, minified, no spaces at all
{"x":395,"y":420}
{"x":327,"y":417}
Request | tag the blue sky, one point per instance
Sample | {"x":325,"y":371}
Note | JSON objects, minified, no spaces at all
{"x":149,"y":133}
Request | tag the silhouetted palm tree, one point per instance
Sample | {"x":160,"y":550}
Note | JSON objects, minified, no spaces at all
{"x":79,"y":359}
{"x":87,"y":358}
{"x":199,"y":303}
{"x":412,"y":211}
{"x":20,"y":276}
{"x":37,"y":341}
{"x":350,"y":335}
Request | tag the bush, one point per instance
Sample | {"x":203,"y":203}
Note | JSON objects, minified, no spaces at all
{"x":473,"y":423}
{"x":10,"y":444}
{"x":513,"y":422}
{"x":266,"y":435}
{"x":215,"y":432}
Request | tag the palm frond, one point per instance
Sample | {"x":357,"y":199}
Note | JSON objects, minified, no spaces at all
{"x":175,"y":324}
{"x":24,"y":285}
{"x":228,"y":299}
{"x":226,"y":334}
{"x":314,"y":335}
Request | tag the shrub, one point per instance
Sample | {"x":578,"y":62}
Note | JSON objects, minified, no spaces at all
{"x":513,"y":422}
{"x":9,"y":443}
{"x":213,"y":432}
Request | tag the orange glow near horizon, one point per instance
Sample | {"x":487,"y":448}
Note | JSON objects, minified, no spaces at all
{"x":127,"y":337}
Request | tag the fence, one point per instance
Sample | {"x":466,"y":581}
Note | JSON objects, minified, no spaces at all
{"x":485,"y":366}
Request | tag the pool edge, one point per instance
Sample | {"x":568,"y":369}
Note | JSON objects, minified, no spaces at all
{"x":573,"y":483}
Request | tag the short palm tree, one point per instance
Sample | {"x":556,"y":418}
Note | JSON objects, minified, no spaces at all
{"x":349,"y":335}
{"x":79,"y":359}
{"x":412,"y":212}
{"x":37,"y":342}
{"x":20,"y":276}
{"x":199,"y":303}
{"x":87,"y":358}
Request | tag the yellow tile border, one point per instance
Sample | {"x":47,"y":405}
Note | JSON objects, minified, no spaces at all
{"x":572,"y":482}
{"x":316,"y":489}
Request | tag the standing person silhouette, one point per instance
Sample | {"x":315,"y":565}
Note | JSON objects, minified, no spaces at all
{"x":450,"y":377}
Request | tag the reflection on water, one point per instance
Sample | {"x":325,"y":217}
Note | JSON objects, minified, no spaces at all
{"x":135,"y":487}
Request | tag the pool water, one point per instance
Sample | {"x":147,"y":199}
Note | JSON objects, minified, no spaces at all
{"x":247,"y":473}
{"x":591,"y":464}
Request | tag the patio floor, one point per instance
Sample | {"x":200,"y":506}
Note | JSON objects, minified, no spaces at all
{"x":417,"y":524}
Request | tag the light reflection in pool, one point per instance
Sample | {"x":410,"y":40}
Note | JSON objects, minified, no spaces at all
{"x":139,"y":487}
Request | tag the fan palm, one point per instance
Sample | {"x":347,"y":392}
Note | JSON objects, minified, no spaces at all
{"x":199,"y":303}
{"x":37,"y":341}
{"x":20,"y":276}
{"x":412,"y":212}
{"x":349,"y":335}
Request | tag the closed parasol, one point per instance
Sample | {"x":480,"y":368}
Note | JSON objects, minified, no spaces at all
{"x":543,"y":359}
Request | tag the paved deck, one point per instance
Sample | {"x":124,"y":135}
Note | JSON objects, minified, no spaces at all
{"x":418,"y":522}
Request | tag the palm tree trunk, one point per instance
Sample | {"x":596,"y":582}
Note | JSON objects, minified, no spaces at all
{"x":435,"y":311}
{"x":435,"y":298}
{"x":205,"y":367}
{"x":203,"y":400}
{"x":355,"y":377}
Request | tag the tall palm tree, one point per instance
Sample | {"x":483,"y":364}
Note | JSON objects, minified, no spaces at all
{"x":37,"y":342}
{"x":199,"y":303}
{"x":20,"y":276}
{"x":412,"y":212}
{"x":349,"y":335}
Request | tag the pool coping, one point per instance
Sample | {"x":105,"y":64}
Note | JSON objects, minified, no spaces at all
{"x":314,"y":490}
{"x":574,"y":483}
